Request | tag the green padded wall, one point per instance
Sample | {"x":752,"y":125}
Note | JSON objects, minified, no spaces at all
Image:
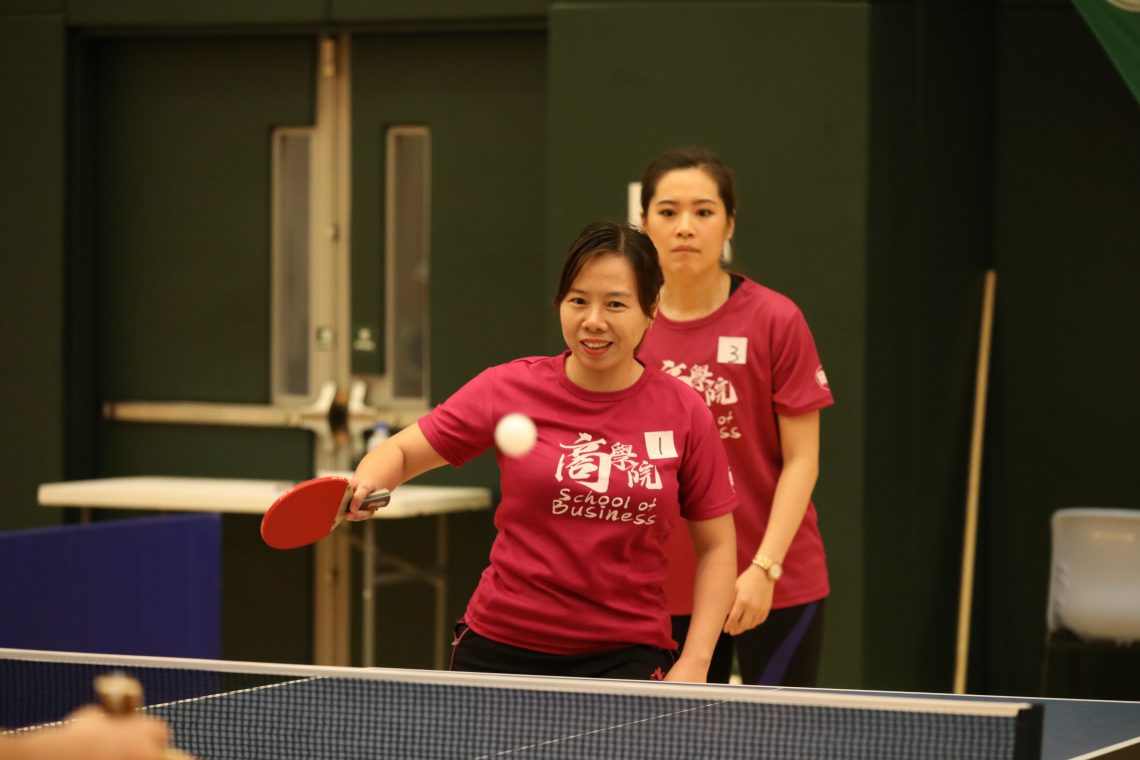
{"x":754,"y":85}
{"x":1065,"y":421}
{"x":928,"y":243}
{"x":33,"y":87}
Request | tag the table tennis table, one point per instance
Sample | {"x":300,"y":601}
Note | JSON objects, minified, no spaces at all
{"x":314,"y":712}
{"x":253,"y":497}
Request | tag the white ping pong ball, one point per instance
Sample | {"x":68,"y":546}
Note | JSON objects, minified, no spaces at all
{"x":515,"y":434}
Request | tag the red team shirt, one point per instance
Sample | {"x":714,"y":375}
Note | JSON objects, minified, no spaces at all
{"x":578,"y":564}
{"x":751,"y":359}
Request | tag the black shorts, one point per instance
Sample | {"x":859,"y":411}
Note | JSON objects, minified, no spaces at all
{"x":472,"y":652}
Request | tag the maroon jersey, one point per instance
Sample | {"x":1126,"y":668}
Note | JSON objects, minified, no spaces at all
{"x":750,"y":360}
{"x":578,"y":564}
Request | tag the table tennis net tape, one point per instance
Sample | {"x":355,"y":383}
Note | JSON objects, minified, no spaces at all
{"x":215,"y":714}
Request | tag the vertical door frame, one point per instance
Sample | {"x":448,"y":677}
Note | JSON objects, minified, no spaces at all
{"x":330,"y":208}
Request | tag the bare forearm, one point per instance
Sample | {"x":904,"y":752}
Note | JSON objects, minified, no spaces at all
{"x":789,"y":503}
{"x":715,"y":544}
{"x":755,"y":586}
{"x":712,"y":597}
{"x":799,"y":441}
{"x":755,"y":589}
{"x":398,"y":459}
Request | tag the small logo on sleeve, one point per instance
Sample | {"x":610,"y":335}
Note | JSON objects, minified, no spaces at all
{"x":821,"y":378}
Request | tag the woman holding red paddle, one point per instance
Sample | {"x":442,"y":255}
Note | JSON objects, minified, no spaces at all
{"x":575,"y":585}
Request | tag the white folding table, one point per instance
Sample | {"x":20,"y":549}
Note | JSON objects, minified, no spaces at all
{"x":237,"y":496}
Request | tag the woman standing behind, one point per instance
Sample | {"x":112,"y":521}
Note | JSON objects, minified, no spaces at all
{"x":575,"y":585}
{"x":748,"y":351}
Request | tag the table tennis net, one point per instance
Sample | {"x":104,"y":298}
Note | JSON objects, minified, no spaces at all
{"x":222,"y":710}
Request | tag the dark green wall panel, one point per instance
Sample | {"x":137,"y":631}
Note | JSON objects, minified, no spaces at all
{"x":929,"y":246}
{"x":204,"y":451}
{"x":483,"y":98}
{"x":781,"y":92}
{"x":1065,"y":426}
{"x":177,"y":199}
{"x":182,"y":207}
{"x":32,"y":305}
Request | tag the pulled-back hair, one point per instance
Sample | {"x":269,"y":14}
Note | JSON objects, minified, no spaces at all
{"x":620,"y":239}
{"x":688,"y":158}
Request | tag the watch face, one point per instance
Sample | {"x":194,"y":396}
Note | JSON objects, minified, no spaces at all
{"x":775,"y":571}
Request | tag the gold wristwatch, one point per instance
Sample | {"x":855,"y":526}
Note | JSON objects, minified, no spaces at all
{"x":771,"y":567}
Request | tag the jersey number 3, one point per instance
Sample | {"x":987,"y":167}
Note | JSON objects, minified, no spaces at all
{"x":732,"y":350}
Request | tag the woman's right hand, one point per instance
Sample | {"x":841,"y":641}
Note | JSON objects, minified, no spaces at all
{"x":357,"y":510}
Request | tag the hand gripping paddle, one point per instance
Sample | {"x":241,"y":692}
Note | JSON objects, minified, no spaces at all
{"x":309,"y":511}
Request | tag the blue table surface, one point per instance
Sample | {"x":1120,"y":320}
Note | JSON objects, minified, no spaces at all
{"x":1072,"y":727}
{"x":458,"y":723}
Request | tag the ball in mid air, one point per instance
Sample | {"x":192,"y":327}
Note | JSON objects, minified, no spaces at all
{"x":515,"y":434}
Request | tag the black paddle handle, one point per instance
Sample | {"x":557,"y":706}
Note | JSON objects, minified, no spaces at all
{"x":379,"y":498}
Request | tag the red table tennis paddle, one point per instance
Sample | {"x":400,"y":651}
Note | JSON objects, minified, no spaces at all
{"x":309,"y":511}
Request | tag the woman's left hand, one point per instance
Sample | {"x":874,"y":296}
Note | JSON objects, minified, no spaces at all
{"x":752,"y":602}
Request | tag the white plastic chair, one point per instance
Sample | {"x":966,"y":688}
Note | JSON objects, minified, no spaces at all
{"x":1094,"y":581}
